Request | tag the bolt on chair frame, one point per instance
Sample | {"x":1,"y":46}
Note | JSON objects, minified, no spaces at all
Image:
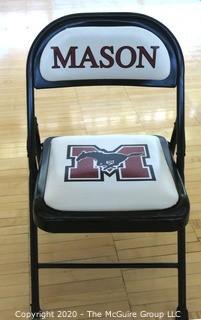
{"x":35,"y":147}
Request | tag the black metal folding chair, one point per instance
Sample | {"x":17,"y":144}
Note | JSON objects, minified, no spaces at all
{"x":113,"y":183}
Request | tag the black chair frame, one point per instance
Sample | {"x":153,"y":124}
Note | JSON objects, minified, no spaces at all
{"x":35,"y":147}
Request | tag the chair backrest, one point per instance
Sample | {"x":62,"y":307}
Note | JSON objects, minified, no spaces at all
{"x":106,"y":49}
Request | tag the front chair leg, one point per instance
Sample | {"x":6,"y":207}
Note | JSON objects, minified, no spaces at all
{"x":35,"y":304}
{"x":182,"y":312}
{"x":35,"y":300}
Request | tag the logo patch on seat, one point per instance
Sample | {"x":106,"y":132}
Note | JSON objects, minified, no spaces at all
{"x":90,"y":163}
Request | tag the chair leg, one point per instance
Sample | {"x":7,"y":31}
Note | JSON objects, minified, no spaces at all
{"x":182,"y":312}
{"x":35,"y":304}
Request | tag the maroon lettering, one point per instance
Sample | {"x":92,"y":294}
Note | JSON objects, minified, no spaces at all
{"x":58,"y":57}
{"x":119,"y":57}
{"x":108,"y":53}
{"x":145,"y":53}
{"x":105,"y":55}
{"x":88,"y":57}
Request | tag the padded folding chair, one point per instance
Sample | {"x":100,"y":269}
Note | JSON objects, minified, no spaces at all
{"x":107,"y":183}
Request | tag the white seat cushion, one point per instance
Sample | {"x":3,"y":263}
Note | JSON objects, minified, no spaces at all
{"x":109,"y":173}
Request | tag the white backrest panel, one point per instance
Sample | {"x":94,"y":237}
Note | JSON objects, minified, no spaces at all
{"x":126,"y":52}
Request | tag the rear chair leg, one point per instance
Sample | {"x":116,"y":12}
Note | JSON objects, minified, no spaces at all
{"x":182,"y":312}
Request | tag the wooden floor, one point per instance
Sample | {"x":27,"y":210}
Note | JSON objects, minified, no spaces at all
{"x":88,"y":111}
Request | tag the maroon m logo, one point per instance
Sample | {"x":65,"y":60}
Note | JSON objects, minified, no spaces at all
{"x":90,"y":163}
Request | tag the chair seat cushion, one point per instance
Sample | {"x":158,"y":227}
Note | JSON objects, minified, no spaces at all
{"x":100,"y":175}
